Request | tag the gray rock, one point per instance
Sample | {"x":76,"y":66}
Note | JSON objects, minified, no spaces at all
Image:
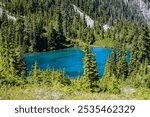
{"x":89,"y":21}
{"x":9,"y":16}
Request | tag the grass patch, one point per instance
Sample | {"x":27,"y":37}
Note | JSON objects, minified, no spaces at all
{"x":36,"y":92}
{"x":105,"y":43}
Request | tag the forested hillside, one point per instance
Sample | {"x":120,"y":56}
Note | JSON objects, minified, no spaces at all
{"x":28,"y":26}
{"x":46,"y":21}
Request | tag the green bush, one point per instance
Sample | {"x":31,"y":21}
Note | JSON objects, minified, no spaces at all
{"x":147,"y":81}
{"x":12,"y":80}
{"x":48,"y":77}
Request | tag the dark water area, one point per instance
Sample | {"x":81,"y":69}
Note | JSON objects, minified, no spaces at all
{"x":70,"y":60}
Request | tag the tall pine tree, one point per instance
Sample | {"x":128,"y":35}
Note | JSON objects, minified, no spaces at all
{"x":90,"y":69}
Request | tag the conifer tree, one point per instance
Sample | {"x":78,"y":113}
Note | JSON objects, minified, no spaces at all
{"x":109,"y":81}
{"x":113,"y":61}
{"x":144,"y":39}
{"x":20,"y":32}
{"x":19,"y":64}
{"x":61,"y":39}
{"x":52,"y":37}
{"x":35,"y":74}
{"x":122,"y":65}
{"x":135,"y":54}
{"x":12,"y":61}
{"x":90,"y":69}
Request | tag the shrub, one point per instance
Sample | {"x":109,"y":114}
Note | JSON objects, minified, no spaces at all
{"x":12,"y":80}
{"x":48,"y":77}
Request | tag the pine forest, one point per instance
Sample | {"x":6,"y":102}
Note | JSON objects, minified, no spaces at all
{"x":38,"y":26}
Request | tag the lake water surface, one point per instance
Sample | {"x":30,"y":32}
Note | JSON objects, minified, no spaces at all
{"x":70,"y":60}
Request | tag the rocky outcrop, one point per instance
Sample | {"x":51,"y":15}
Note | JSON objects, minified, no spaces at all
{"x":142,"y":7}
{"x":9,"y":16}
{"x":89,"y":21}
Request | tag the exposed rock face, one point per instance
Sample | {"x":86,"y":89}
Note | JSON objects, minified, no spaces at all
{"x":144,"y":10}
{"x":142,"y":7}
{"x":9,"y":16}
{"x":89,"y":21}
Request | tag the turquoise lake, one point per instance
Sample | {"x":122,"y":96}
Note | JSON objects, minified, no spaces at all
{"x":70,"y":60}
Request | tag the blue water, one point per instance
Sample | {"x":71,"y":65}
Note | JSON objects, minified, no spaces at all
{"x":70,"y":60}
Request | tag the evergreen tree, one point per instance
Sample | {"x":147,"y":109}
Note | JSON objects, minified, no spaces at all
{"x":11,"y":60}
{"x":135,"y":57}
{"x":40,"y":36}
{"x":61,"y":39}
{"x":122,"y":65}
{"x":35,"y":74}
{"x":113,"y":61}
{"x":52,"y":37}
{"x":109,"y":81}
{"x":144,"y":39}
{"x":19,"y":64}
{"x":20,"y":33}
{"x":90,"y":69}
